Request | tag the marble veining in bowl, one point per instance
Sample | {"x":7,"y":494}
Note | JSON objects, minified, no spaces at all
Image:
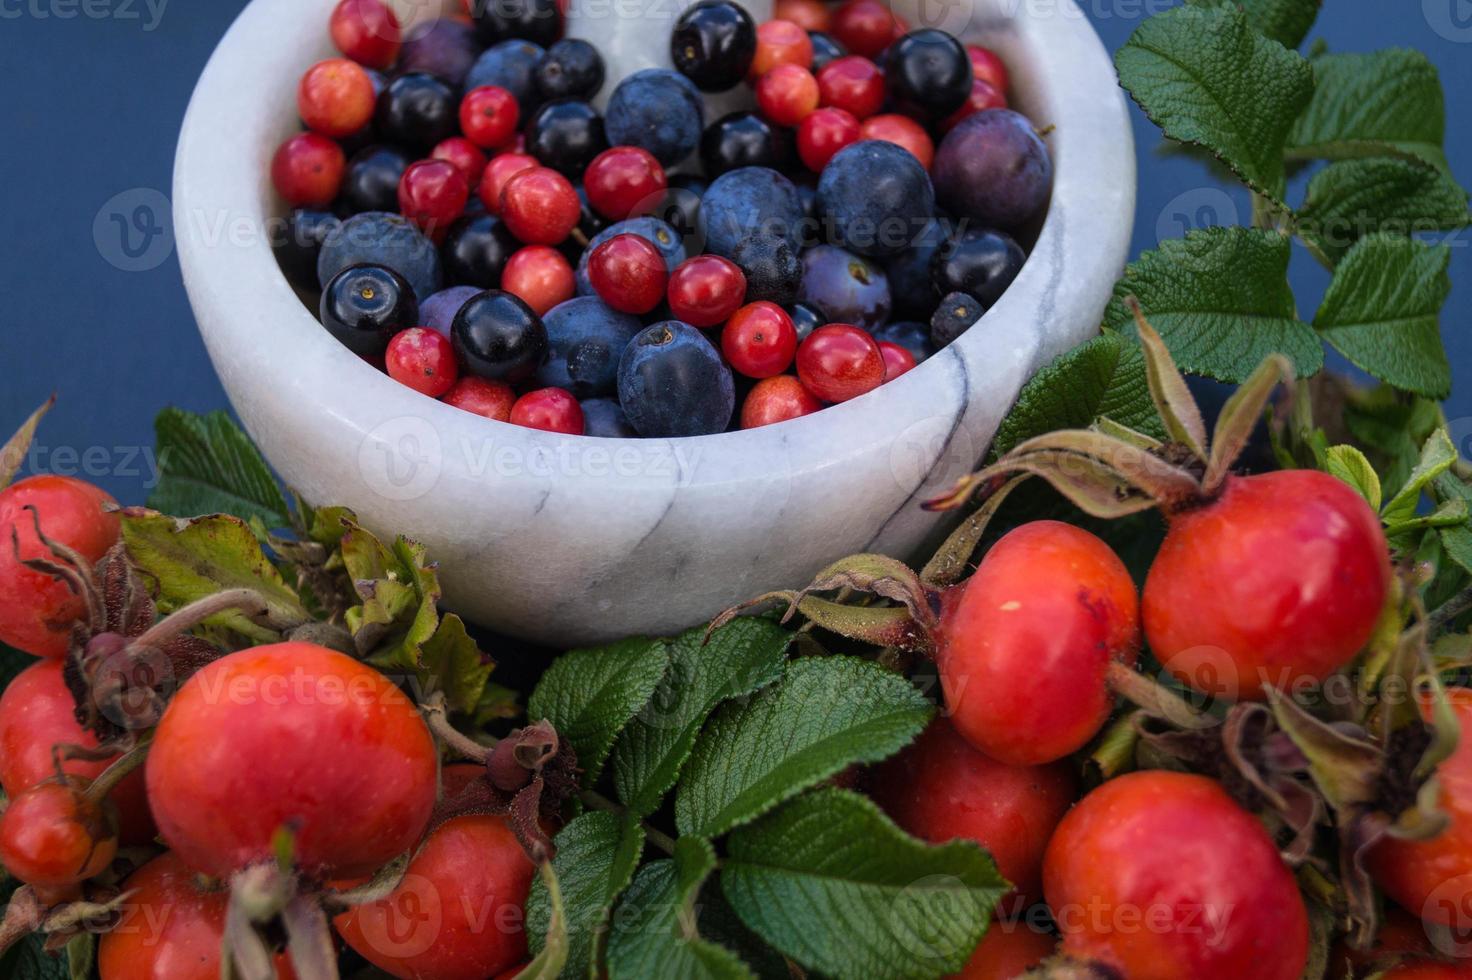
{"x":565,"y":540}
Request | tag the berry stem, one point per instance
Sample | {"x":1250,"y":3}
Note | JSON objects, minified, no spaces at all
{"x":438,"y":721}
{"x":115,"y":773}
{"x":248,"y":602}
{"x":1138,"y":689}
{"x":1443,"y":614}
{"x":597,"y":801}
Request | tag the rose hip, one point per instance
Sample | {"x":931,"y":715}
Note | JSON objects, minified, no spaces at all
{"x":854,"y":84}
{"x":549,"y":409}
{"x":488,"y":399}
{"x":777,"y":400}
{"x":901,"y":131}
{"x":432,"y":194}
{"x":780,"y":42}
{"x":625,"y":182}
{"x":464,"y":156}
{"x":759,"y":340}
{"x":540,"y":206}
{"x":367,"y":31}
{"x":307,"y":170}
{"x":628,"y":273}
{"x":787,"y":94}
{"x":540,"y":276}
{"x":823,"y":133}
{"x":336,"y":98}
{"x":498,"y":172}
{"x":488,"y":116}
{"x":422,"y":359}
{"x":706,"y":290}
{"x":839,"y":362}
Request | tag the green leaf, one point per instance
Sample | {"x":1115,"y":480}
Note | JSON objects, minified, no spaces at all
{"x":1388,"y":102}
{"x":1221,"y":301}
{"x":1350,"y":465}
{"x":826,"y":714}
{"x":28,"y":960}
{"x":741,"y":657}
{"x":1391,"y":426}
{"x":1104,"y":378}
{"x":832,"y":882}
{"x":1437,"y":456}
{"x":590,"y":695}
{"x":191,"y":559}
{"x":451,"y":662}
{"x":596,"y":856}
{"x":1383,"y":312}
{"x":1456,"y":541}
{"x":552,"y":958}
{"x":17,"y":447}
{"x":400,"y":595}
{"x":81,"y":956}
{"x":1205,"y":77}
{"x":1285,"y":21}
{"x":655,"y":933}
{"x":1349,"y":200}
{"x":208,"y":465}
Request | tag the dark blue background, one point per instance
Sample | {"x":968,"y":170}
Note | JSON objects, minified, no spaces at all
{"x":91,"y":109}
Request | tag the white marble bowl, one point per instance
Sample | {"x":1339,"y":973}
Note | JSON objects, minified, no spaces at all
{"x":566,"y":540}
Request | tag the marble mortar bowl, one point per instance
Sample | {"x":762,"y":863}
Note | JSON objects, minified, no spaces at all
{"x":562,"y":540}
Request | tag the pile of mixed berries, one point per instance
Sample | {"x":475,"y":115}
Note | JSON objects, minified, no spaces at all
{"x":478,"y":230}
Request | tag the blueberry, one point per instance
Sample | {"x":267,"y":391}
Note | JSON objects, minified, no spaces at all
{"x":444,"y":48}
{"x":806,"y":319}
{"x":875,"y":198}
{"x":476,"y":250}
{"x":378,"y":238}
{"x":672,"y":382}
{"x":955,"y":315}
{"x":659,"y":110}
{"x":772,"y":268}
{"x":566,"y":136}
{"x":669,"y":242}
{"x":365,"y":305}
{"x":681,"y":207}
{"x":911,"y":285}
{"x":826,"y":48}
{"x":438,"y":312}
{"x":539,"y":21}
{"x":747,"y":200}
{"x":713,"y":44}
{"x":844,"y":287}
{"x":571,"y":69}
{"x":498,"y":337}
{"x":927,"y":74}
{"x":586,"y":339}
{"x":300,"y":242}
{"x":511,"y":65}
{"x":372,"y":180}
{"x":743,"y":139}
{"x":604,"y":418}
{"x":980,"y":263}
{"x":994,"y":169}
{"x":417,"y":110}
{"x":913,"y":337}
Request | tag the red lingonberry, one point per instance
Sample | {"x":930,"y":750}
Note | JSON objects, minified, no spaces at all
{"x":549,"y":409}
{"x":706,"y":290}
{"x":336,"y":97}
{"x":903,"y":132}
{"x":488,"y":399}
{"x":777,"y":399}
{"x":787,"y":94}
{"x":499,"y":170}
{"x":307,"y":170}
{"x":822,"y":134}
{"x":988,"y":67}
{"x":628,"y":273}
{"x":464,"y":155}
{"x":367,"y":31}
{"x":839,"y":361}
{"x":422,"y":359}
{"x":488,"y":116}
{"x":854,"y":84}
{"x":780,"y":42}
{"x":864,"y":27}
{"x":759,"y":340}
{"x":897,"y":360}
{"x":624,"y":182}
{"x":540,"y":276}
{"x":432,"y":194}
{"x":540,"y":206}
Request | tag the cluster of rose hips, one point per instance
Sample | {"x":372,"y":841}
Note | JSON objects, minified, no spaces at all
{"x":522,"y":189}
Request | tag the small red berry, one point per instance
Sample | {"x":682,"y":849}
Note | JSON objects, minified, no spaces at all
{"x":986,"y":66}
{"x":897,"y":360}
{"x":903,"y":132}
{"x":706,"y":290}
{"x":499,"y":170}
{"x":540,"y":206}
{"x":336,"y":97}
{"x":625,"y":182}
{"x":432,"y":194}
{"x":781,"y":42}
{"x":853,"y":83}
{"x":367,"y":31}
{"x":488,"y":399}
{"x":810,"y":15}
{"x":307,"y":170}
{"x":422,"y":359}
{"x":983,"y":96}
{"x":839,"y":362}
{"x":488,"y":116}
{"x":466,"y":157}
{"x":549,"y":409}
{"x":759,"y":340}
{"x":775,"y":400}
{"x":540,"y":276}
{"x":628,"y":273}
{"x":865,"y":27}
{"x":824,"y":133}
{"x":787,"y":94}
